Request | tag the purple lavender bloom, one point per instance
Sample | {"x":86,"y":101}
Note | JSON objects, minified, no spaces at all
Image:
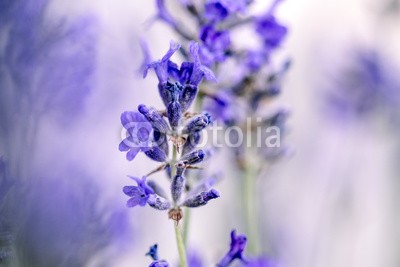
{"x":138,"y":194}
{"x":238,"y":244}
{"x":159,"y":263}
{"x":271,"y":32}
{"x":215,"y":44}
{"x":201,"y":199}
{"x":215,"y":11}
{"x":138,"y":130}
{"x":186,"y":78}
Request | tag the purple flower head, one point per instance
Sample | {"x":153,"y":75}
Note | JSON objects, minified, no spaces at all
{"x":138,"y":194}
{"x":271,"y":32}
{"x":138,"y":131}
{"x":215,"y":44}
{"x":215,"y":11}
{"x":238,"y":244}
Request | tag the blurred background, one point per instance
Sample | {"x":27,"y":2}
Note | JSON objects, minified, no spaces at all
{"x":69,"y":68}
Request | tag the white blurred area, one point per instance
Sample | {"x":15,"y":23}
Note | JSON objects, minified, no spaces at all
{"x":332,"y":204}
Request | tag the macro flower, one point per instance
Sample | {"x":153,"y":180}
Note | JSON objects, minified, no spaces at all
{"x":138,"y":194}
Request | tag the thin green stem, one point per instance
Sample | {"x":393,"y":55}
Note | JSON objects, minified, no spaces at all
{"x":186,"y":222}
{"x":250,"y":198}
{"x":181,"y":246}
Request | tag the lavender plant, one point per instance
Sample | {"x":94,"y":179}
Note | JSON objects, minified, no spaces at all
{"x":237,"y":100}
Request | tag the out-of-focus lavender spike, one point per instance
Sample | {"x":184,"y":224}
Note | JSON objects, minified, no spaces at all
{"x":158,"y":202}
{"x":157,"y":189}
{"x":200,"y":199}
{"x":177,"y":187}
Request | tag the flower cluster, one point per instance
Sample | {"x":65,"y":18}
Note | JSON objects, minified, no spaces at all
{"x":153,"y":132}
{"x":171,"y":136}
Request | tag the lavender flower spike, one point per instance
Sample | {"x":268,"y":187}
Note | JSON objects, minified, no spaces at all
{"x":238,"y":244}
{"x":139,"y":194}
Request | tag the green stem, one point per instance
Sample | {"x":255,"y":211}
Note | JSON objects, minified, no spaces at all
{"x":186,"y":222}
{"x":181,"y":246}
{"x":250,"y":198}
